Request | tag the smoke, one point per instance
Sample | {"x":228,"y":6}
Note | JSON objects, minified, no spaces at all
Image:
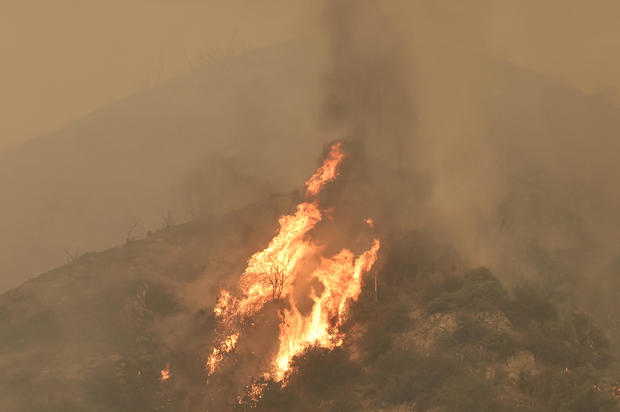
{"x":368,"y":101}
{"x":513,"y":168}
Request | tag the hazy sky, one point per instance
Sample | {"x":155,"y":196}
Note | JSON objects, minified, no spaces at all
{"x":63,"y":59}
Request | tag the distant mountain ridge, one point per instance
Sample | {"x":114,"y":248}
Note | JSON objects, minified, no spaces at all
{"x":215,"y":130}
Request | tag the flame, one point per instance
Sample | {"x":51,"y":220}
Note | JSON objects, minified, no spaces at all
{"x":217,"y":354}
{"x":271,"y":273}
{"x":165,"y":373}
{"x":326,"y":173}
{"x":255,"y":391}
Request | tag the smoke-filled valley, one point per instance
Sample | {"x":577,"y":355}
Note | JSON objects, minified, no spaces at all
{"x":454,"y":247}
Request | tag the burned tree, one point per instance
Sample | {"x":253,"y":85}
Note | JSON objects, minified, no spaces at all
{"x":277,"y":277}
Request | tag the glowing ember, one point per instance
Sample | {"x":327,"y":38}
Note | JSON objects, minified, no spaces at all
{"x":165,"y":373}
{"x":217,"y":354}
{"x":270,"y":276}
{"x":255,"y":391}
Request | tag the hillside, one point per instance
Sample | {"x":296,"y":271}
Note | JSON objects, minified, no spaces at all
{"x":215,"y":139}
{"x":96,"y":333}
{"x":456,"y":249}
{"x":223,"y":136}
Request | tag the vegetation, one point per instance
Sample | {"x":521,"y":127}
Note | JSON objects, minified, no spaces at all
{"x":96,"y":333}
{"x":495,"y":350}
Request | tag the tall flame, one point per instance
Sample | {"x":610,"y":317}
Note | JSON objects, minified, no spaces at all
{"x":326,"y":173}
{"x":271,"y":273}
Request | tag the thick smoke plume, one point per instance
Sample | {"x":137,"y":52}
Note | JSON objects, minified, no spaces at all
{"x":514,"y":169}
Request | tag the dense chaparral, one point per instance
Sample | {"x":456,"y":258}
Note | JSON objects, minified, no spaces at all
{"x":271,"y":274}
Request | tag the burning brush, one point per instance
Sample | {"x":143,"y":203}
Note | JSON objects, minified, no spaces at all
{"x":271,"y":273}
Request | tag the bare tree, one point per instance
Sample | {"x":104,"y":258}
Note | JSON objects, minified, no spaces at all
{"x":277,"y":279}
{"x":73,"y":255}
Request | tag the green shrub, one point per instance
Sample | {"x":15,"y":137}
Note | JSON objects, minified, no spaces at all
{"x":274,"y":398}
{"x":500,"y":343}
{"x":566,"y":391}
{"x":568,"y":343}
{"x":468,"y":393}
{"x":472,"y":332}
{"x":404,"y":376}
{"x":480,"y":292}
{"x":530,"y":303}
{"x":319,"y":370}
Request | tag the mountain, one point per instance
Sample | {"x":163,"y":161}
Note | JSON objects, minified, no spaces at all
{"x":223,"y":136}
{"x":94,"y":334}
{"x":214,"y":139}
{"x":129,"y":329}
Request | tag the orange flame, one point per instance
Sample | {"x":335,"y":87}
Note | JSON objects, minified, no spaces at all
{"x":270,"y":275}
{"x":217,"y":354}
{"x":165,"y":373}
{"x":326,"y":173}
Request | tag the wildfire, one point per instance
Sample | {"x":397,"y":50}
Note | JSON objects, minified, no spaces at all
{"x":165,"y":373}
{"x":270,"y":275}
{"x":217,"y":354}
{"x":370,"y":222}
{"x":326,"y":173}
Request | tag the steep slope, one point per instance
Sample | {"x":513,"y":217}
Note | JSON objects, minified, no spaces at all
{"x":217,"y":138}
{"x":95,"y":333}
{"x":439,"y":340}
{"x":224,"y":135}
